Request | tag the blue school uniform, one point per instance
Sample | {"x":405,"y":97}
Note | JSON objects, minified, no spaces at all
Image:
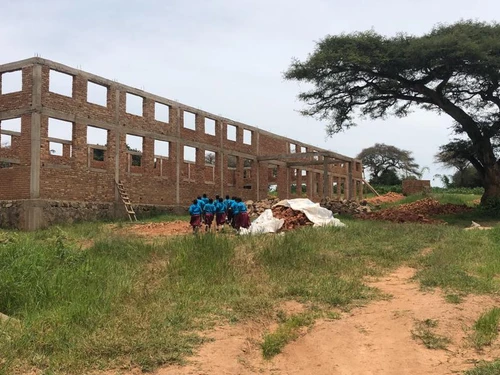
{"x":209,"y":208}
{"x":227,"y":204}
{"x":201,"y":203}
{"x":220,"y":207}
{"x":236,"y":208}
{"x":194,"y":209}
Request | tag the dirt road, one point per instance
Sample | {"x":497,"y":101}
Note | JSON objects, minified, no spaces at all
{"x":375,"y":339}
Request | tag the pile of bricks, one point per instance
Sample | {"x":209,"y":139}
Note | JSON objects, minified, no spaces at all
{"x":345,"y":206}
{"x":255,"y":209}
{"x":293,"y":219}
{"x":420,"y":211}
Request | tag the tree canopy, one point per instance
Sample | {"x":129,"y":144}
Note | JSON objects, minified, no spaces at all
{"x":382,"y":159}
{"x":454,"y":155}
{"x":453,"y":69}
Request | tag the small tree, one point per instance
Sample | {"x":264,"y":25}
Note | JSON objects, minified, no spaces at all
{"x":210,"y":158}
{"x":385,"y":162}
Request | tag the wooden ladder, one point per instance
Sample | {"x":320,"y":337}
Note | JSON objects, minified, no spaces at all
{"x":126,"y":201}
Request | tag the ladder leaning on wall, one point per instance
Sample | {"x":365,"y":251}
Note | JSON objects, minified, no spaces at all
{"x":126,"y":201}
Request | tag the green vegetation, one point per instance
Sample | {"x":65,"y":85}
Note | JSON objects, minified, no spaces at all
{"x":383,"y":189}
{"x":485,"y":368}
{"x":453,"y":298}
{"x":89,"y":296}
{"x":467,"y":199}
{"x":486,"y":328}
{"x":366,"y":74}
{"x":388,"y":163}
{"x":463,"y":261}
{"x":287,"y":331}
{"x":423,"y":332}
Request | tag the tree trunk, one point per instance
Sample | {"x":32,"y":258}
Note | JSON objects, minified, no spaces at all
{"x":491,"y":183}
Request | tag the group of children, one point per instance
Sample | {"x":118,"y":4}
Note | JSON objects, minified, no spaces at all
{"x":232,"y":211}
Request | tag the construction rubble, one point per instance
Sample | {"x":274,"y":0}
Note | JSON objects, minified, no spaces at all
{"x":342,"y":207}
{"x":291,"y":219}
{"x":421,"y":211}
{"x":289,"y":214}
{"x":417,"y":212}
{"x":345,"y":206}
{"x":256,"y":209}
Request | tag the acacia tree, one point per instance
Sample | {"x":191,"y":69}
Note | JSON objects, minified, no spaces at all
{"x":454,"y":69}
{"x":382,"y":158}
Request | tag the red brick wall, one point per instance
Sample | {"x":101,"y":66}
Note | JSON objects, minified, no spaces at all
{"x":15,"y":175}
{"x":415,"y":186}
{"x":76,"y":176}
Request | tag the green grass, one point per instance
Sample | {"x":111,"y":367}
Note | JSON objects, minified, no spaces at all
{"x":287,"y":331}
{"x":485,"y":368}
{"x":91,"y":298}
{"x":423,"y":332}
{"x":453,"y":298}
{"x":463,"y":261}
{"x":486,"y":328}
{"x":444,"y":198}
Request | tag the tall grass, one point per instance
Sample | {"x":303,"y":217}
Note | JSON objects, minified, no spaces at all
{"x":89,"y":298}
{"x":486,"y":328}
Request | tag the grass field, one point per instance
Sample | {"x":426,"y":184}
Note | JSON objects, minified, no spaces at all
{"x":88,"y":297}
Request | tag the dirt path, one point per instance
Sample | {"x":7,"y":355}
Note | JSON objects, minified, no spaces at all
{"x":375,"y":339}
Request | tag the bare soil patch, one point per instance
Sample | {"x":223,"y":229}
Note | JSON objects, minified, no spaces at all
{"x":162,"y":229}
{"x":375,"y":339}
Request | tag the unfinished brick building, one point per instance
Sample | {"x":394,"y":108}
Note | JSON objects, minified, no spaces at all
{"x":63,"y":148}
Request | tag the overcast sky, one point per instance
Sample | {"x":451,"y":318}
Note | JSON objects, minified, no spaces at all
{"x":228,"y":56}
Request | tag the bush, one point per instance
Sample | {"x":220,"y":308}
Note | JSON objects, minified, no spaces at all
{"x":461,"y":190}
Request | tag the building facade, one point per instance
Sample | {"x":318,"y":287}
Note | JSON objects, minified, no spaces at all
{"x":67,"y":137}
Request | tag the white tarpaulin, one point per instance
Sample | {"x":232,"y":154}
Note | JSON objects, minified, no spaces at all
{"x":320,"y":216}
{"x":265,"y":223}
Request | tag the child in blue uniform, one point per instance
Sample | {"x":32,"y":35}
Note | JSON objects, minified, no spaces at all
{"x":220,"y":213}
{"x":195,"y":212}
{"x":201,"y":203}
{"x":227,"y":204}
{"x":243,"y":218}
{"x":209,"y":214}
{"x":236,"y":212}
{"x":204,"y":199}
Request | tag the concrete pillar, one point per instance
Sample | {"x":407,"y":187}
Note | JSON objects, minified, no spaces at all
{"x":34,"y":215}
{"x":325,"y":177}
{"x":219,"y":130}
{"x":349,"y":181}
{"x":281,"y":181}
{"x":177,"y":124}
